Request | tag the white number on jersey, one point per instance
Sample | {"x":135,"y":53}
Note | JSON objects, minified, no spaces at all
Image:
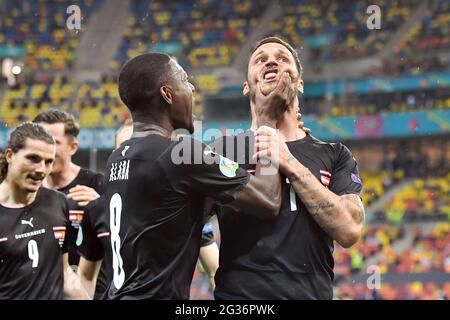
{"x":292,"y":196}
{"x":33,"y":253}
{"x":115,"y":211}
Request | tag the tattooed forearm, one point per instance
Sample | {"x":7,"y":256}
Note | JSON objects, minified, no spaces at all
{"x":358,"y":208}
{"x":358,"y":216}
{"x":340,"y":216}
{"x":296,"y":177}
{"x":307,"y":193}
{"x":314,"y":208}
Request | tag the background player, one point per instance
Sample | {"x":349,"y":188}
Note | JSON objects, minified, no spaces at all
{"x":95,"y":267}
{"x":33,"y":220}
{"x":79,"y":184}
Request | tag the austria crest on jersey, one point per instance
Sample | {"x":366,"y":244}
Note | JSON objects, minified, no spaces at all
{"x":325,"y":177}
{"x":60,"y":233}
{"x":75,"y":217}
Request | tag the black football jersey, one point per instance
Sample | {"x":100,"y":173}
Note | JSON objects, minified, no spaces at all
{"x":289,"y":257}
{"x":86,"y":178}
{"x":155,"y":192}
{"x":94,"y":242}
{"x":31,"y":248}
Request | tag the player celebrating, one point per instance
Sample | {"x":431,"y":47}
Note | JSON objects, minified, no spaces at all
{"x":80,"y":185}
{"x":290,"y":258}
{"x":33,"y":253}
{"x":156,"y":188}
{"x":95,"y":268}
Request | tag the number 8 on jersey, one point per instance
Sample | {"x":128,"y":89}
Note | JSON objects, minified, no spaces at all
{"x":115,"y":211}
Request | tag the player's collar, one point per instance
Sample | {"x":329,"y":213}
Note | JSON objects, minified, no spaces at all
{"x":143,"y":130}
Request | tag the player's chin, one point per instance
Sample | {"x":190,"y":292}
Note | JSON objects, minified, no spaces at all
{"x":55,"y":169}
{"x":32,"y":187}
{"x":189,"y":123}
{"x":268,"y":87}
{"x":190,"y":128}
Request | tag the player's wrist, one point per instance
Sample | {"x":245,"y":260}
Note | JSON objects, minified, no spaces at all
{"x":287,"y":165}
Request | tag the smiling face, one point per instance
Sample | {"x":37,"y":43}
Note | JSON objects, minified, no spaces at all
{"x":30,"y":165}
{"x":66,"y":146}
{"x":267,"y":64}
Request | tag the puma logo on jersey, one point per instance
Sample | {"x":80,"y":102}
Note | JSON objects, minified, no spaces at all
{"x":28,"y":222}
{"x":125,"y":149}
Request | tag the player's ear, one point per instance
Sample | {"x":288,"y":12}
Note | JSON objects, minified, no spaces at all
{"x":300,"y":85}
{"x":167,"y":93}
{"x":8,"y":155}
{"x":245,"y":88}
{"x":73,"y":145}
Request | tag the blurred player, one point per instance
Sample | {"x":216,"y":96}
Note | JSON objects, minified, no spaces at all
{"x":156,"y":187}
{"x":290,"y":258}
{"x":95,"y":267}
{"x":209,"y":252}
{"x":33,"y":221}
{"x":80,"y":185}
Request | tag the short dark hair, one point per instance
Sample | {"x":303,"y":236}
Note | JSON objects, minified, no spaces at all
{"x":283,"y":43}
{"x":51,"y":116}
{"x":140,"y":79}
{"x":18,"y":138}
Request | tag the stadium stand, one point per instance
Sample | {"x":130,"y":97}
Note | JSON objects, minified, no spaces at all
{"x":429,"y":252}
{"x":200,"y":33}
{"x":338,"y":30}
{"x":40,"y":27}
{"x":431,"y":33}
{"x":376,"y":238}
{"x":426,"y":199}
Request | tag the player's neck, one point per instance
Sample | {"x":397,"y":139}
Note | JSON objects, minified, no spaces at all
{"x":61,"y":179}
{"x":288,"y":126}
{"x":11,"y":196}
{"x":143,"y":128}
{"x":254,"y":119}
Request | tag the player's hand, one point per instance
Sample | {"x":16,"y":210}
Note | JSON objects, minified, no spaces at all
{"x":269,"y":145}
{"x":82,"y":194}
{"x":273,"y":105}
{"x":301,"y":124}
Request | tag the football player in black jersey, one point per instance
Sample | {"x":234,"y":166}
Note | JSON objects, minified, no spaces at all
{"x":94,"y":247}
{"x":290,"y":258}
{"x":95,"y":268}
{"x":80,"y":185}
{"x":156,"y":187}
{"x":33,"y":221}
